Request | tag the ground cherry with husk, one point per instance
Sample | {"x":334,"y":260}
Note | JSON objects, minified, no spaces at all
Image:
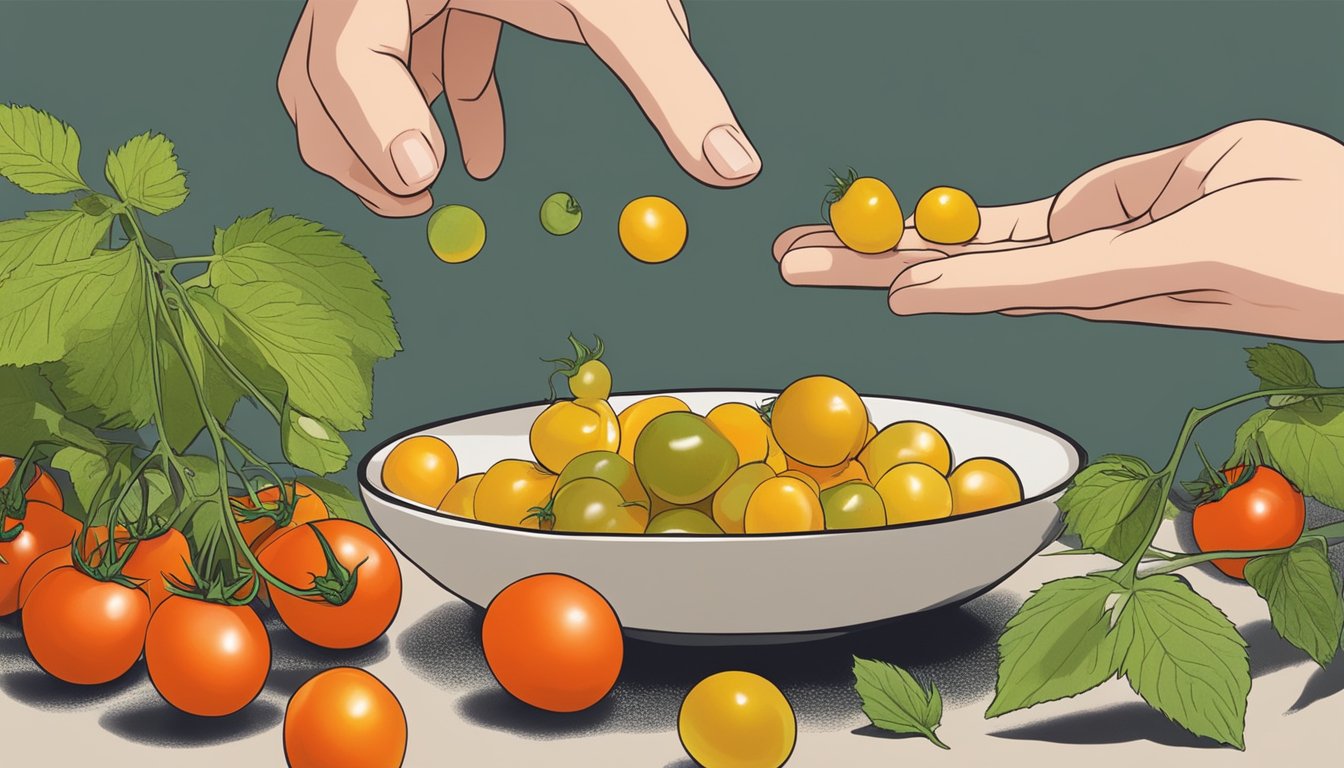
{"x":783,"y":505}
{"x":652,"y":229}
{"x":421,"y":468}
{"x":913,"y":492}
{"x":636,"y":416}
{"x":906,"y":441}
{"x":730,"y":501}
{"x":947,"y":216}
{"x":744,"y":426}
{"x":460,"y":498}
{"x":344,"y":718}
{"x":853,"y":505}
{"x":819,"y":421}
{"x":737,"y":720}
{"x":983,"y":483}
{"x":683,"y":520}
{"x":864,"y":213}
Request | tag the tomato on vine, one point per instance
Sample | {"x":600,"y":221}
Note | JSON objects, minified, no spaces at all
{"x":1257,"y":508}
{"x":207,"y":658}
{"x":83,"y":629}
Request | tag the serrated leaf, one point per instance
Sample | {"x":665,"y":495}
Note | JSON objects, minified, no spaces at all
{"x":1058,"y":645}
{"x":144,"y":171}
{"x":305,"y":344}
{"x":1185,"y":658}
{"x":329,"y":272}
{"x":341,"y":503}
{"x":30,"y":412}
{"x":91,"y":472}
{"x":1305,"y":442}
{"x":1302,"y":591}
{"x":894,"y":701}
{"x":1112,"y":503}
{"x":94,"y":312}
{"x":183,"y":421}
{"x":38,"y":152}
{"x":48,"y":237}
{"x":1279,"y":366}
{"x":311,"y":444}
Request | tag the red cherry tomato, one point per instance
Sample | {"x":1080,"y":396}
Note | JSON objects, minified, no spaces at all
{"x":207,"y":659}
{"x":44,"y":528}
{"x":82,"y":630}
{"x":1265,"y":512}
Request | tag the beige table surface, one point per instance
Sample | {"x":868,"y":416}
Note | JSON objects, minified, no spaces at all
{"x":459,"y":717}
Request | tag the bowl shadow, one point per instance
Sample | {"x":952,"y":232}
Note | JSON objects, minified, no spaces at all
{"x":954,"y":647}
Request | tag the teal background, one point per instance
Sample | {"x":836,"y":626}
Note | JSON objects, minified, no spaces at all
{"x":1010,"y":100}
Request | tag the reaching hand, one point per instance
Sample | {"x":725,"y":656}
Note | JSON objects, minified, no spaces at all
{"x":359,"y":77}
{"x":1239,"y":230}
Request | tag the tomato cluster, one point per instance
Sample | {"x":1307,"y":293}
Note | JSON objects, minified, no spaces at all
{"x":808,"y":460}
{"x":94,"y":604}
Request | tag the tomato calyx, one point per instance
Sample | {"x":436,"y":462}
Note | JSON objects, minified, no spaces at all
{"x":835,"y":191}
{"x":766,"y":409}
{"x":104,"y":563}
{"x":215,"y":588}
{"x":569,"y":367}
{"x":251,"y":508}
{"x":338,"y":584}
{"x":14,"y":496}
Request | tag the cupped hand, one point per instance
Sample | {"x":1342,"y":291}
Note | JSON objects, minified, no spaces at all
{"x":1238,"y":230}
{"x":359,"y":76}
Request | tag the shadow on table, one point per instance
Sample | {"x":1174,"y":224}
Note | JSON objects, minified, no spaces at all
{"x":294,"y":661}
{"x":151,"y":720}
{"x":24,"y":681}
{"x":954,"y":647}
{"x":1117,"y":724}
{"x":1322,"y":684}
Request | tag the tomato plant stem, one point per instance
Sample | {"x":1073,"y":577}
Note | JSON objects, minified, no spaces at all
{"x":1204,"y":557}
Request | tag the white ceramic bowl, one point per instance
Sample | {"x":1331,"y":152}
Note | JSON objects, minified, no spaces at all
{"x":745,"y":588}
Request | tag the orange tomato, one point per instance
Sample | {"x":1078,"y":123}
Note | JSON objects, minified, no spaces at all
{"x":983,"y":483}
{"x":420,"y":468}
{"x":43,"y":487}
{"x":261,"y":531}
{"x":82,"y":630}
{"x":783,"y":505}
{"x":44,"y":528}
{"x":344,"y":718}
{"x":154,"y":564}
{"x":1265,"y":512}
{"x":553,"y":642}
{"x":207,"y":659}
{"x":48,"y":562}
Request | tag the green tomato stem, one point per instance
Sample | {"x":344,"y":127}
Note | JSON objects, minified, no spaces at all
{"x":1204,"y":557}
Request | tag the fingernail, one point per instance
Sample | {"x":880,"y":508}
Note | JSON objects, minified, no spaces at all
{"x":728,"y":153}
{"x":413,"y":158}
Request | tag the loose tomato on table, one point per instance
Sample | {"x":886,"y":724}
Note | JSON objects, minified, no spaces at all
{"x":553,"y":642}
{"x":367,"y":583}
{"x":1261,"y":511}
{"x":83,"y":630}
{"x":205,"y":658}
{"x":737,"y":720}
{"x":344,"y":718}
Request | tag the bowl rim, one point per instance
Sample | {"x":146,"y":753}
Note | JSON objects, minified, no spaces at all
{"x":396,"y":501}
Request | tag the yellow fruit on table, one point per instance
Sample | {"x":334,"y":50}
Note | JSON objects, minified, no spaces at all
{"x":570,"y":427}
{"x":865,"y":214}
{"x":510,"y":491}
{"x":652,"y":229}
{"x":783,"y":505}
{"x":730,"y":501}
{"x":637,"y":415}
{"x":914,"y":492}
{"x":737,"y":720}
{"x":983,"y":483}
{"x":947,"y":215}
{"x":819,"y":421}
{"x":903,"y":442}
{"x":459,"y":501}
{"x":421,"y":468}
{"x":745,"y":429}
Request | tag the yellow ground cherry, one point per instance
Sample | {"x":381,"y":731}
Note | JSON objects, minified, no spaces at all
{"x":652,"y":229}
{"x":983,"y":483}
{"x":913,"y":492}
{"x":737,"y":720}
{"x":947,"y":215}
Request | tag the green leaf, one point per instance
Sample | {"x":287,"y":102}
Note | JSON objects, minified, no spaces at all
{"x":894,"y":701}
{"x":48,"y":237}
{"x":1302,"y":591}
{"x":306,"y":345}
{"x":95,"y":316}
{"x":1111,"y":505}
{"x":145,"y":173}
{"x":1185,"y":658}
{"x":91,"y":472}
{"x":310,"y":444}
{"x":341,"y":503}
{"x":1058,"y":645}
{"x":30,"y":412}
{"x":1305,"y":442}
{"x":1280,"y":367}
{"x":328,"y":272}
{"x":38,"y":152}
